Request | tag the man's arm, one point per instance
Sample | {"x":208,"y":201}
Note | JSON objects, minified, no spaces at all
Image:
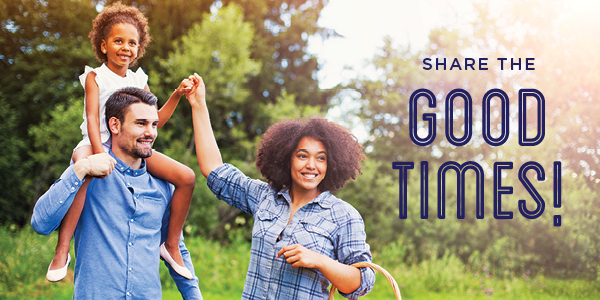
{"x":51,"y":207}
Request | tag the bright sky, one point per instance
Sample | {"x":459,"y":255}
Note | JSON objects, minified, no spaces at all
{"x":365,"y":23}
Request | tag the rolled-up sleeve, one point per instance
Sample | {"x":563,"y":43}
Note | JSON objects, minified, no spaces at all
{"x":353,"y":248}
{"x":238,"y":190}
{"x":52,"y":206}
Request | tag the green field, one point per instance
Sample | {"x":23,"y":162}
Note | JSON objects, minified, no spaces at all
{"x":222,"y":270}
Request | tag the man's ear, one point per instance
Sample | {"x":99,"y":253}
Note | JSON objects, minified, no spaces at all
{"x":114,"y":125}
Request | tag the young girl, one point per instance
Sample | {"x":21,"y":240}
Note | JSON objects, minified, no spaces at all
{"x":303,"y":236}
{"x":119,"y":37}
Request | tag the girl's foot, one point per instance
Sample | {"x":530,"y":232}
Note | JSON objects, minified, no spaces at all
{"x":59,"y":260}
{"x":178,"y":267}
{"x":54,"y":273}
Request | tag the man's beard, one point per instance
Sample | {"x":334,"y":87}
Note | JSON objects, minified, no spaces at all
{"x":138,"y":152}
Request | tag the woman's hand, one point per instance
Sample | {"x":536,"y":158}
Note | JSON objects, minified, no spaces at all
{"x":346,"y":278}
{"x":196,"y":94}
{"x":298,"y":256}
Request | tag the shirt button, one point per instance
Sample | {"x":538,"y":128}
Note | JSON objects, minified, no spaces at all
{"x":76,"y":183}
{"x":60,"y":202}
{"x":72,"y":189}
{"x":130,"y":244}
{"x":131,"y":220}
{"x":128,"y":294}
{"x":129,"y":269}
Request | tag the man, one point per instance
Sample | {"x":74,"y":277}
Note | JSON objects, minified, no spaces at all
{"x":125,"y":216}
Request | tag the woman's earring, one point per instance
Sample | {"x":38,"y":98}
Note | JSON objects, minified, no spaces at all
{"x":104,"y":51}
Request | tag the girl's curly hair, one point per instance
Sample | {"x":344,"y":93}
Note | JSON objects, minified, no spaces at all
{"x":344,"y":152}
{"x":118,"y":13}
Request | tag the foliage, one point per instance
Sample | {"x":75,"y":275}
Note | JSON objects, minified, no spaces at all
{"x":222,"y":269}
{"x":218,"y":49}
{"x":11,"y":167}
{"x":282,"y":31}
{"x":53,"y":142}
{"x":515,"y":30}
{"x":44,"y":47}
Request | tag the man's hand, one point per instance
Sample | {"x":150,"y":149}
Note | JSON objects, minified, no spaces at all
{"x":298,"y":256}
{"x":97,"y":165}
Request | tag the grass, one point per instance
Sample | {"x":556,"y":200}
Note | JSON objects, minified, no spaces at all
{"x":222,"y":270}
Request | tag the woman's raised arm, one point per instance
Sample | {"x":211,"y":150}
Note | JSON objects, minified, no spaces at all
{"x":207,"y":151}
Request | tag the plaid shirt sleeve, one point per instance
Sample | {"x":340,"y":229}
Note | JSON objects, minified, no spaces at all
{"x":353,"y":248}
{"x":234,"y":187}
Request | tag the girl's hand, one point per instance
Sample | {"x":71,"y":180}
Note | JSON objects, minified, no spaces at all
{"x":97,"y":165}
{"x":298,"y":256}
{"x":184,"y":87}
{"x":197,"y":94}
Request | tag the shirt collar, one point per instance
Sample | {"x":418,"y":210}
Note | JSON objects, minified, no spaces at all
{"x":324,"y":199}
{"x":126,"y":169}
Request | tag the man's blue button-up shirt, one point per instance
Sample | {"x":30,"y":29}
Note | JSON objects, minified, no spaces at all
{"x":123,"y":222}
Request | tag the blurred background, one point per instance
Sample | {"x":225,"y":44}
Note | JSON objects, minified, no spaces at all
{"x":356,"y":63}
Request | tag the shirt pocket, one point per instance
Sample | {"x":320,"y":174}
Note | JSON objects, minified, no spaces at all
{"x":316,"y":234}
{"x":263,"y":221}
{"x":150,"y":212}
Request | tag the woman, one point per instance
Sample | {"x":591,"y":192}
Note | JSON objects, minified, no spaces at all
{"x":303,"y":236}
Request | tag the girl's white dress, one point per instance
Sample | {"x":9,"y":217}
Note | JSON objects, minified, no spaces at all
{"x":108,"y":82}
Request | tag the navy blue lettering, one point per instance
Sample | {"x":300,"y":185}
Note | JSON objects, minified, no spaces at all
{"x":460,"y":186}
{"x":429,"y":118}
{"x":402,"y":168}
{"x":541,"y":114}
{"x":539,"y":201}
{"x":500,"y":190}
{"x":427,"y":64}
{"x":487,"y":136}
{"x":450,"y":117}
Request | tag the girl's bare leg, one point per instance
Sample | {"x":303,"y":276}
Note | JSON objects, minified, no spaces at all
{"x":69,"y":222}
{"x":184,"y":180}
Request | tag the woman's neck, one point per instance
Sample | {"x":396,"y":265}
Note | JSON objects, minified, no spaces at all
{"x":300,"y":197}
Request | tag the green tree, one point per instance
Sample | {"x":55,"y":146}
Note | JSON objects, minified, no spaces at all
{"x":43,"y":48}
{"x":548,"y":32}
{"x":280,"y":44}
{"x":12,"y":168}
{"x":219,"y":50}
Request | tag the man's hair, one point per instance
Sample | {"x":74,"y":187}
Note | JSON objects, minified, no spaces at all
{"x":344,"y":153}
{"x":118,"y":103}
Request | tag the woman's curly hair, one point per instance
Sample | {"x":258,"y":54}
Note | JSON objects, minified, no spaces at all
{"x":344,"y":152}
{"x":112,"y":15}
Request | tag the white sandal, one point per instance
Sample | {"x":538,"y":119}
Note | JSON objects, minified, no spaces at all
{"x":58,"y":274}
{"x":181,"y":270}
